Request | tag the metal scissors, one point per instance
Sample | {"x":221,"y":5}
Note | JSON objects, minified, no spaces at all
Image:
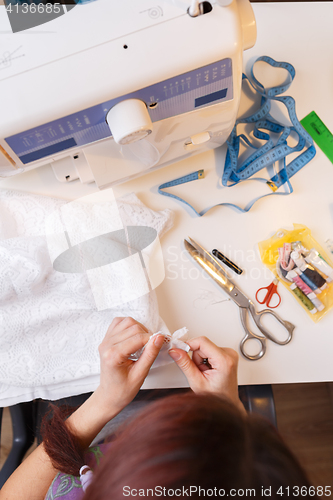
{"x":271,"y":291}
{"x":246,"y":306}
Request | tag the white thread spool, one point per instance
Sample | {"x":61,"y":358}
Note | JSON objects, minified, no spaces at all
{"x":129,"y":121}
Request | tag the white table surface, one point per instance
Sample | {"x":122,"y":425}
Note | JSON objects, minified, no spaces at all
{"x":299,"y":33}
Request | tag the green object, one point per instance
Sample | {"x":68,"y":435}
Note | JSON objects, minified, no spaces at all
{"x":303,"y":298}
{"x":319,"y":133}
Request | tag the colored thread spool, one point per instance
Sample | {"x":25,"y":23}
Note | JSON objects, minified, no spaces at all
{"x":315,"y":280}
{"x":294,"y":276}
{"x":301,"y":285}
{"x":297,"y":257}
{"x":286,"y":262}
{"x":308,"y":277}
{"x":303,"y":298}
{"x":317,"y":261}
{"x":316,"y":302}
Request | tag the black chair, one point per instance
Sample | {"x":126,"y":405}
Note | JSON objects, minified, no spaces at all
{"x":27,"y":417}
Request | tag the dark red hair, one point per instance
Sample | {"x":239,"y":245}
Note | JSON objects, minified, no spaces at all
{"x":191,"y":440}
{"x":61,"y":445}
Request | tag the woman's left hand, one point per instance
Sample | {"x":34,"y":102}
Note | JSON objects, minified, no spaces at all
{"x":121,"y":378}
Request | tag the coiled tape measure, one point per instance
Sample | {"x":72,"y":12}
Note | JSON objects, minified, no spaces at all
{"x":266,"y":155}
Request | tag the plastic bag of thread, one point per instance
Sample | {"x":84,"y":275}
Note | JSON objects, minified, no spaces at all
{"x":302,"y":266}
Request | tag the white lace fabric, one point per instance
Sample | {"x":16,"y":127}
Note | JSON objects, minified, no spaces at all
{"x":50,"y":327}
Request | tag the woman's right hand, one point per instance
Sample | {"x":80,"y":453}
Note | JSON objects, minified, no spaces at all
{"x":211,"y":369}
{"x":121,"y":378}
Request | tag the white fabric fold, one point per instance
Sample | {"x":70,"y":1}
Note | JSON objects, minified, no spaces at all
{"x":50,"y":324}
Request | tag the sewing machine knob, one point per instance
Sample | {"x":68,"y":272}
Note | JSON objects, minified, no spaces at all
{"x":200,"y":138}
{"x":129,"y":121}
{"x":196,"y":140}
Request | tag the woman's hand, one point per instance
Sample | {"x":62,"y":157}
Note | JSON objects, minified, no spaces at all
{"x":122,"y":378}
{"x":211,"y":369}
{"x":120,"y":381}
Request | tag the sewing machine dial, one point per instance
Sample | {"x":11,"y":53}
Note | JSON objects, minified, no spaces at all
{"x":205,"y":86}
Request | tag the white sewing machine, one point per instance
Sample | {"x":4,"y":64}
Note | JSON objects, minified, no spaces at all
{"x":112,"y":90}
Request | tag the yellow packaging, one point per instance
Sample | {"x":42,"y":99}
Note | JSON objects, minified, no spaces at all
{"x":269,"y":253}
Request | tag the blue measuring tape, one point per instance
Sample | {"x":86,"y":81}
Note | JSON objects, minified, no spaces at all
{"x":266,"y":155}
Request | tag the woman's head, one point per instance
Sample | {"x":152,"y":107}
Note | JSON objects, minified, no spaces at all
{"x":195,"y":441}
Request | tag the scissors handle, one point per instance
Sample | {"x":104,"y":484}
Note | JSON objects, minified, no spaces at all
{"x":271,"y":291}
{"x":250,"y":336}
{"x":257,"y":316}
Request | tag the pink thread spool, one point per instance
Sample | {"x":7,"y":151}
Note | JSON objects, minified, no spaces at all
{"x":293,"y":276}
{"x":303,"y":286}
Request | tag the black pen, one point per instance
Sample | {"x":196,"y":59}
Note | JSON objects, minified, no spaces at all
{"x":226,"y":261}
